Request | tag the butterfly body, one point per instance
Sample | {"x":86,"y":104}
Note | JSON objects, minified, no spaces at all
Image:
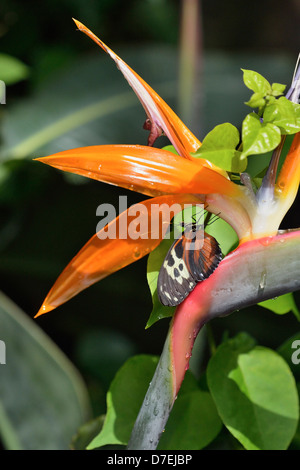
{"x":191,"y":259}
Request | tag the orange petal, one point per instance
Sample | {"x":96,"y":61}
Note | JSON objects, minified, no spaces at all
{"x":147,"y":170}
{"x":161,"y":116}
{"x":289,"y":176}
{"x":100,"y":258}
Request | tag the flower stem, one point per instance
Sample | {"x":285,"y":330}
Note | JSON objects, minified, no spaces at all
{"x":156,"y":406}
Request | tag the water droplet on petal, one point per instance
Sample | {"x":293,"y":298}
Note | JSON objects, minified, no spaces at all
{"x":266,"y":241}
{"x":263,"y":281}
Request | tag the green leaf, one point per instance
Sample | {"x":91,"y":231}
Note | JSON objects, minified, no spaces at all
{"x":43,"y":400}
{"x":193,"y":423}
{"x":124,"y":399}
{"x":270,"y":99}
{"x":257,"y":100}
{"x":12,"y":70}
{"x":255,"y":394}
{"x":258,"y":137}
{"x":284,"y":114}
{"x":282,"y":304}
{"x":256,"y":82}
{"x":258,"y":164}
{"x":219,"y":147}
{"x":278,"y":89}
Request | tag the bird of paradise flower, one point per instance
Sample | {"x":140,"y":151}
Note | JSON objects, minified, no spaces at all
{"x":246,"y":276}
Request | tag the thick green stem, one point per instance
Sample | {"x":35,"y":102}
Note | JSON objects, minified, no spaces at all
{"x":256,"y":271}
{"x":157,"y":405}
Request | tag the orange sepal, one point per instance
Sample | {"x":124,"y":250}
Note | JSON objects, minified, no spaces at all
{"x":147,"y":170}
{"x":289,"y":176}
{"x":162,"y":117}
{"x":100,"y":258}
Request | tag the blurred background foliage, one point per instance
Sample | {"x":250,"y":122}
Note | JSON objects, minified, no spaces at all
{"x":64,"y":92}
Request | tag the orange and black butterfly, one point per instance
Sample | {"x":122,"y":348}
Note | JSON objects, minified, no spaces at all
{"x":185,"y":265}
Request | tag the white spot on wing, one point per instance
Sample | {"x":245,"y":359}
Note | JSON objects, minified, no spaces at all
{"x":183,"y":274}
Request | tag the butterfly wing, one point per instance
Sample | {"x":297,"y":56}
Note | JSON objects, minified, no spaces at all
{"x":201,"y":263}
{"x":184,"y":267}
{"x":174,"y":279}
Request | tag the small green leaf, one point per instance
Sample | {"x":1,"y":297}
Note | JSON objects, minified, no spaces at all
{"x":270,"y":99}
{"x":284,"y":114}
{"x":282,"y":304}
{"x":278,"y":89}
{"x":12,"y":70}
{"x":258,"y":137}
{"x":193,"y":423}
{"x":256,"y":82}
{"x":255,"y":394}
{"x":219,"y":147}
{"x":256,"y":101}
{"x":223,"y":136}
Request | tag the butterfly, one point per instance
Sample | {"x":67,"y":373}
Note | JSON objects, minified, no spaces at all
{"x":190,"y":259}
